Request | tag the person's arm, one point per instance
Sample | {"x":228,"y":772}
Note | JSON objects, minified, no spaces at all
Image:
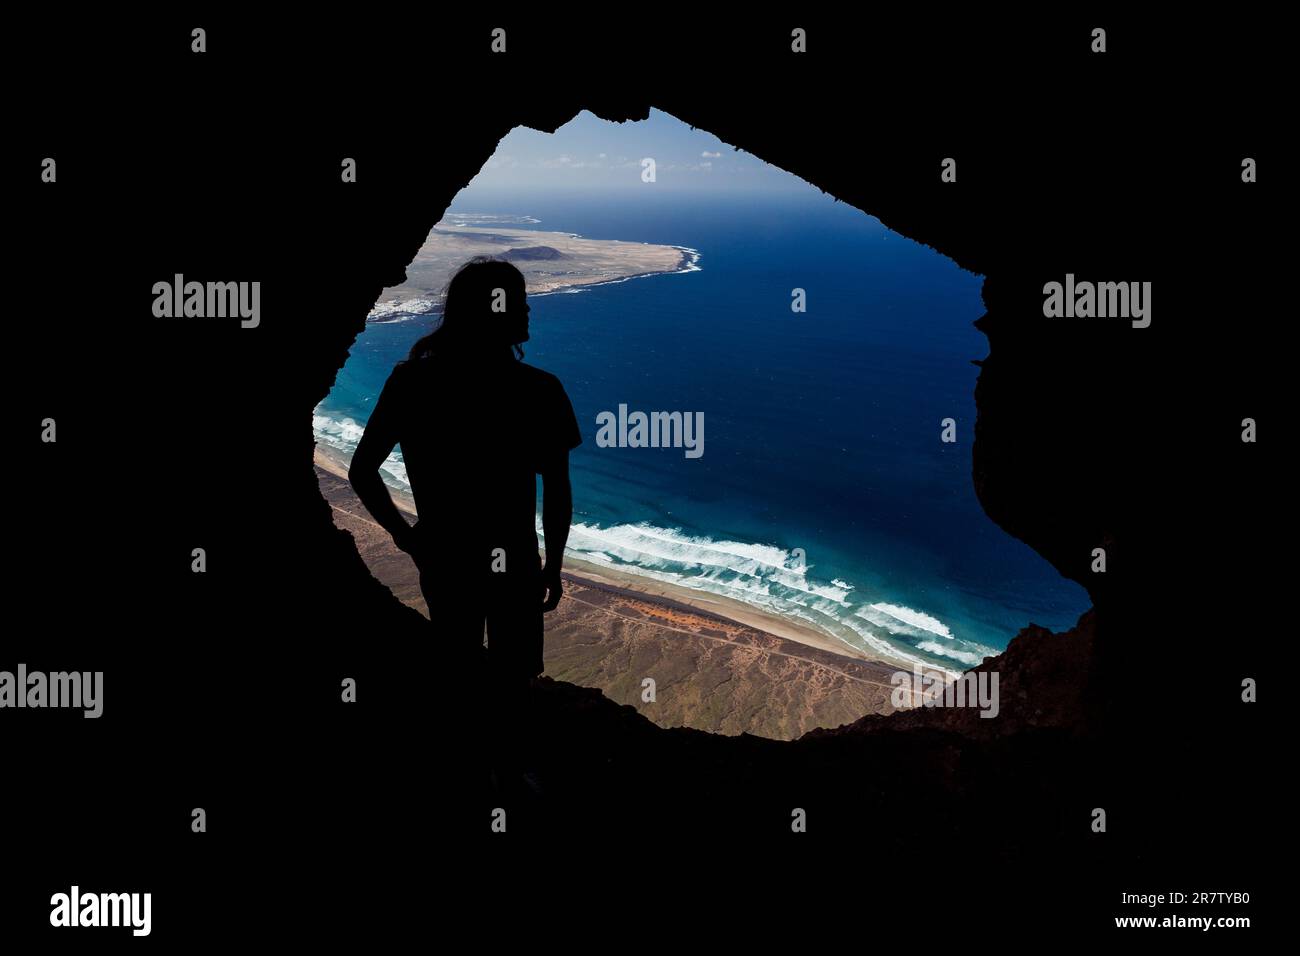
{"x":557,"y":515}
{"x":376,"y":442}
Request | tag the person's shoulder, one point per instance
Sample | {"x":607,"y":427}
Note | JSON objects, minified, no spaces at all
{"x":412,"y":371}
{"x":399,"y":379}
{"x":537,"y":376}
{"x":549,"y":400}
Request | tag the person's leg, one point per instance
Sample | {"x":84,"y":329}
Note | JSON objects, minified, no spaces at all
{"x":457,"y":612}
{"x":457,"y":609}
{"x":515,"y":638}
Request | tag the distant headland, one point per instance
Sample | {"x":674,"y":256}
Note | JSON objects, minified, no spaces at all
{"x":550,"y":261}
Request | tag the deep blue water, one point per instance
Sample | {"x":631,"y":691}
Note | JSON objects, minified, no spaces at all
{"x":822,"y":429}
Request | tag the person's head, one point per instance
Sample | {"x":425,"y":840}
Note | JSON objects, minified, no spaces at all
{"x":484,"y":313}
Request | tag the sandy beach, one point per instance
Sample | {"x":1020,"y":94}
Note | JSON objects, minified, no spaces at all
{"x":650,"y":589}
{"x":720,"y":665}
{"x":711,"y":604}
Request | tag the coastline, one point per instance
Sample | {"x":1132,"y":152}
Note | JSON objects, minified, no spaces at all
{"x":396,"y":310}
{"x":652,"y":591}
{"x":599,"y":262}
{"x":737,"y":612}
{"x":331,"y":461}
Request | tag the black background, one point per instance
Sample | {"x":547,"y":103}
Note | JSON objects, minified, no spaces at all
{"x":330,"y":823}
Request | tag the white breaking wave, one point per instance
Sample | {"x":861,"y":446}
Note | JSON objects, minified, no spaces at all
{"x":966,"y":657}
{"x":773,"y":580}
{"x":343,"y":434}
{"x":692,"y":265}
{"x":763,"y":576}
{"x":930,"y":634}
{"x":893,"y":615}
{"x":388,"y":311}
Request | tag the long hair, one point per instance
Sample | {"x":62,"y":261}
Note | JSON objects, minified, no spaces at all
{"x":468,"y":327}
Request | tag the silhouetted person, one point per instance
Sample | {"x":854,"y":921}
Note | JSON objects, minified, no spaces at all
{"x":477,"y":425}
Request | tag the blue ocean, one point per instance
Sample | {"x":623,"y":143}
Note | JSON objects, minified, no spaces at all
{"x":824,"y":492}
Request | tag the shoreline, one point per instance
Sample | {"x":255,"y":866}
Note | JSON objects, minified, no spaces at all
{"x":641,"y":588}
{"x":330,"y":460}
{"x":687,"y":263}
{"x":391,"y":311}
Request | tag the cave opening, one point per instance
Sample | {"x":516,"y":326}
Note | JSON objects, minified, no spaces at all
{"x":829,"y":538}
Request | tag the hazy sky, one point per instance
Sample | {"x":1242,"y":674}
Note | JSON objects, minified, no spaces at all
{"x":593,"y":155}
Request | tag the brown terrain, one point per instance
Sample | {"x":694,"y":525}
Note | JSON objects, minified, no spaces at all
{"x":548,"y":261}
{"x":710,"y":673}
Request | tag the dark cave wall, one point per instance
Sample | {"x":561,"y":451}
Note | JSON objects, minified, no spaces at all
{"x":1096,"y":435}
{"x":1066,"y":452}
